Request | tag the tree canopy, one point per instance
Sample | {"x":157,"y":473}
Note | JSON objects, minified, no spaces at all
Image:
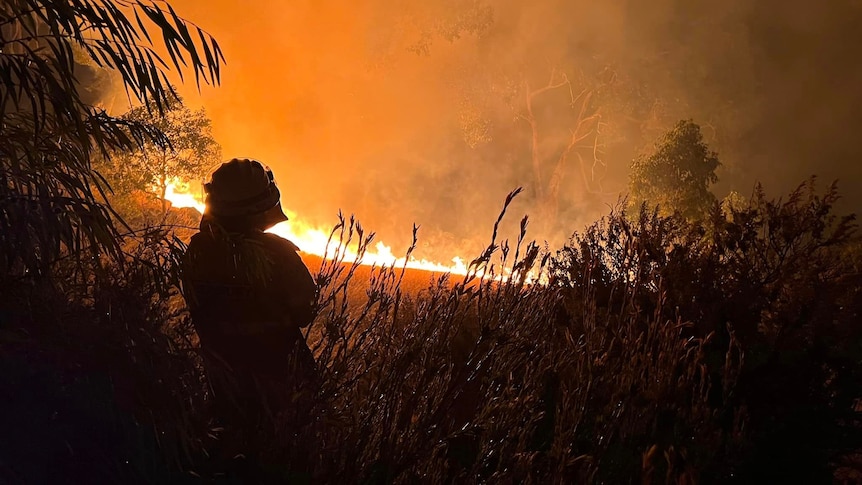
{"x":191,"y":151}
{"x":677,"y":175}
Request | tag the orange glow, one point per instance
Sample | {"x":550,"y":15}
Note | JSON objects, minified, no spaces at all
{"x":315,"y":240}
{"x":178,"y":194}
{"x":332,"y":98}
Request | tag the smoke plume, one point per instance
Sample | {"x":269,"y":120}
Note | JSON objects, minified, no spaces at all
{"x":416,"y":111}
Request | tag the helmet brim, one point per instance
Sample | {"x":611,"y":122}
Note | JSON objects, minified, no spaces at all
{"x":275,"y":215}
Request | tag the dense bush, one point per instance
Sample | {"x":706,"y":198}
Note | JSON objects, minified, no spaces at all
{"x":99,"y":373}
{"x":780,"y":277}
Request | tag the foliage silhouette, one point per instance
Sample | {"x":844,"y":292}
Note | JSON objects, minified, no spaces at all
{"x":51,"y":201}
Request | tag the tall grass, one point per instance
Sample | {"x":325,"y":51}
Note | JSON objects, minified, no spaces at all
{"x":644,"y":351}
{"x":483,"y":379}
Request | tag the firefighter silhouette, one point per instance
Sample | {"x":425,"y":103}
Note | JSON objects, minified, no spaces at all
{"x":249,"y":295}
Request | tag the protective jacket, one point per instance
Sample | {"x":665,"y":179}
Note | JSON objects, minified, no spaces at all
{"x":249,"y":294}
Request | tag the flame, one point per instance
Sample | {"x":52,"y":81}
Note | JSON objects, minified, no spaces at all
{"x":176,"y":192}
{"x":315,"y":240}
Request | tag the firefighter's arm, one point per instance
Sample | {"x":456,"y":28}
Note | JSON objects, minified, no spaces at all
{"x":302,"y":295}
{"x":298,"y":288}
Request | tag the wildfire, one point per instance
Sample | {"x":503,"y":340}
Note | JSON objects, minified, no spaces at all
{"x":182,"y":198}
{"x":314,"y":240}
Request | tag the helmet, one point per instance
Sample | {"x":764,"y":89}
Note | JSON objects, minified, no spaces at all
{"x":243,"y":188}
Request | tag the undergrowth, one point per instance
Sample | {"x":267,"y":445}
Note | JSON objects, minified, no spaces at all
{"x":649,"y":349}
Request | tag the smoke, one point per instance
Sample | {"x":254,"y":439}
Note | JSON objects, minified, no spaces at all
{"x":414,"y":111}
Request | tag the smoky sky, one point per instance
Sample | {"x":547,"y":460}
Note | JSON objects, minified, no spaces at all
{"x":407,"y":112}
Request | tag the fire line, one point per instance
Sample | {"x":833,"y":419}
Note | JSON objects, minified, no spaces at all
{"x":313,"y":240}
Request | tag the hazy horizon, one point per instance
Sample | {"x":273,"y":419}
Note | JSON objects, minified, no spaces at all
{"x":413,"y":112}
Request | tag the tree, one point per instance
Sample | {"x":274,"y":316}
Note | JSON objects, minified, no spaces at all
{"x":52,"y":202}
{"x":677,"y":176}
{"x":584,"y":135}
{"x":192,"y":149}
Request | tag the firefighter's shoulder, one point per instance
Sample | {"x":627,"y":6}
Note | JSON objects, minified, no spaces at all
{"x":279,"y":243}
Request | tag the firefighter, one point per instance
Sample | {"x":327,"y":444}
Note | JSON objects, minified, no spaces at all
{"x":249,"y":295}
